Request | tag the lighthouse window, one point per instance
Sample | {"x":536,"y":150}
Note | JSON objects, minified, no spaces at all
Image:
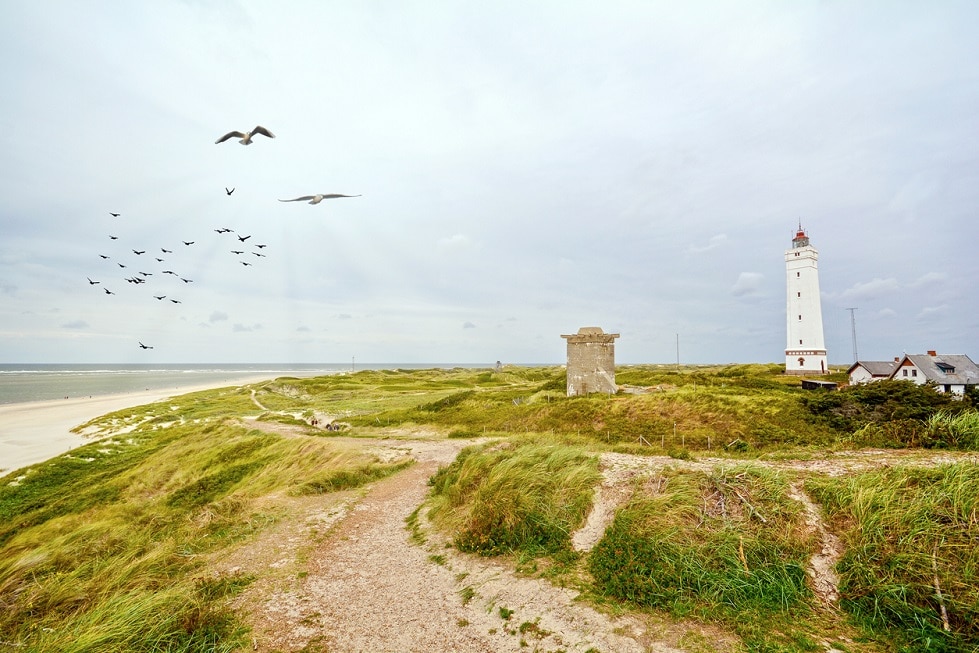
{"x":796,"y":274}
{"x":800,"y":342}
{"x":800,"y":317}
{"x":798,"y":294}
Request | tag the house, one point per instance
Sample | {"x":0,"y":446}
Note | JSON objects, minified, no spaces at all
{"x":867,"y":371}
{"x":949,"y":372}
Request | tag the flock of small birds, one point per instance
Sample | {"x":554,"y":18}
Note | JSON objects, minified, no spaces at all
{"x":137,"y":267}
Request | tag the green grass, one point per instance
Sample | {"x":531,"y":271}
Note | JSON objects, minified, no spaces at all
{"x":105,"y":548}
{"x":904,"y":528}
{"x":725,"y":546}
{"x":525,"y":495}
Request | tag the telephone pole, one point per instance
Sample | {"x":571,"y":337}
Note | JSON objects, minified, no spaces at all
{"x":853,"y":331}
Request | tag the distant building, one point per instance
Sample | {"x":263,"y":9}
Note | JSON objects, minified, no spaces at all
{"x":591,"y":361}
{"x":805,"y":350}
{"x":949,"y":372}
{"x":867,"y":371}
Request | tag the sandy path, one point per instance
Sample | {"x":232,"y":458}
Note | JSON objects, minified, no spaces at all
{"x":32,"y":432}
{"x":368,"y":586}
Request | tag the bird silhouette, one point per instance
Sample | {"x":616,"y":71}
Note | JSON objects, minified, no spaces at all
{"x":108,"y":292}
{"x":146,"y":274}
{"x":243,"y":238}
{"x":159,"y":260}
{"x":228,"y":191}
{"x":170,"y":272}
{"x":120,"y":265}
{"x":188,"y":242}
{"x":245,"y":263}
{"x":103,"y":256}
{"x":237,"y":251}
{"x":260,"y":246}
{"x":92,"y":283}
{"x":166,"y":251}
{"x":142,"y":346}
{"x":186,"y":280}
{"x":114,"y":237}
{"x":317,"y":198}
{"x":176,"y":301}
{"x":246,"y":137}
{"x":259,"y":254}
{"x":114,"y":215}
{"x":137,"y":252}
{"x":160,"y":296}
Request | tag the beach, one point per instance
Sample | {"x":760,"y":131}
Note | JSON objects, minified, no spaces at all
{"x":32,"y":432}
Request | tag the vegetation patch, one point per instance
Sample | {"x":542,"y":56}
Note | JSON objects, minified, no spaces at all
{"x":526,"y":495}
{"x":723,"y":546}
{"x":910,"y":573}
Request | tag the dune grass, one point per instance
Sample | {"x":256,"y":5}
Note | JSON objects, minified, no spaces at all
{"x":726,"y":546}
{"x":911,"y":568}
{"x":106,"y":548}
{"x":524,"y":495}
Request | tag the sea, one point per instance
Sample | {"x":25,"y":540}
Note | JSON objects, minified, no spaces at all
{"x":21,"y":382}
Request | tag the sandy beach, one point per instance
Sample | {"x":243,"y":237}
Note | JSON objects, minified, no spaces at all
{"x":35,"y":431}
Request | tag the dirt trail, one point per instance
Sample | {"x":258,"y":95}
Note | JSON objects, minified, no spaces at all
{"x":348,"y":575}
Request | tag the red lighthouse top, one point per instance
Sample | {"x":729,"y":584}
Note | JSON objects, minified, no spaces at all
{"x":801,"y":239}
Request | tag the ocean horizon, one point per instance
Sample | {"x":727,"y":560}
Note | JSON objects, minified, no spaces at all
{"x":23,"y":382}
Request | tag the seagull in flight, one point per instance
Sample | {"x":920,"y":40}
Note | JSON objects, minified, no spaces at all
{"x":120,"y":265}
{"x":186,"y":280}
{"x":228,"y":191}
{"x":246,"y":137}
{"x":114,"y":215}
{"x":160,"y":296}
{"x":176,"y":301}
{"x":166,"y":251}
{"x":317,"y":198}
{"x":243,"y":238}
{"x":191,"y":242}
{"x":103,"y":256}
{"x":260,"y":246}
{"x":137,"y":252}
{"x":108,"y":292}
{"x":237,"y":251}
{"x":92,"y":283}
{"x":114,"y":237}
{"x":245,"y":263}
{"x":142,"y":346}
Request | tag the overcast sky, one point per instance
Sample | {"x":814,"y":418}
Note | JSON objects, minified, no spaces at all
{"x":526,"y":169}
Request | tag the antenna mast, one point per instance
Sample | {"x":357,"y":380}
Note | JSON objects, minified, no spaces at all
{"x":853,"y":331}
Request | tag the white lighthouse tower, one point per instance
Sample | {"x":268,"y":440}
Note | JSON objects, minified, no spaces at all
{"x":805,"y":350}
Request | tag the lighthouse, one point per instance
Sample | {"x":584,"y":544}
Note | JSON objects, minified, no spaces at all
{"x":805,"y":350}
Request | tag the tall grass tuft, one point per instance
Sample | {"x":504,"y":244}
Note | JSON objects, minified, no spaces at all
{"x":911,"y":565}
{"x":953,"y":430}
{"x":527,"y":495}
{"x":722,"y":546}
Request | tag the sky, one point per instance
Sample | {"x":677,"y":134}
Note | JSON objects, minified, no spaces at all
{"x":525,"y":168}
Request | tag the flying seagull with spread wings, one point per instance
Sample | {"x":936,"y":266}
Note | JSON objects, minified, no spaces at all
{"x":319,"y":197}
{"x":246,"y":137}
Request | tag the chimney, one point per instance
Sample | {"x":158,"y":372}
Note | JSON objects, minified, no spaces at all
{"x":897,"y":359}
{"x":931,"y":352}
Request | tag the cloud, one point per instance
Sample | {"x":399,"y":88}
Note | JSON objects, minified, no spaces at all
{"x":929,"y":311}
{"x":468,"y":325}
{"x":218,"y":316}
{"x":928,"y":279}
{"x":77,"y":324}
{"x":870,"y":289}
{"x":242,"y":328}
{"x":748,"y":283}
{"x":456,"y":242}
{"x":713,"y":243}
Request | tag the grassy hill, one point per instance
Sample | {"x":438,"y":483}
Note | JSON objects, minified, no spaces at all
{"x":107,"y":548}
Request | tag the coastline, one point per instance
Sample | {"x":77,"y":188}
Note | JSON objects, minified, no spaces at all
{"x":34,"y":431}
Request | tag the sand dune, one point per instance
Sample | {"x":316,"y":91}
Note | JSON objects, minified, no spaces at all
{"x":35,"y":431}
